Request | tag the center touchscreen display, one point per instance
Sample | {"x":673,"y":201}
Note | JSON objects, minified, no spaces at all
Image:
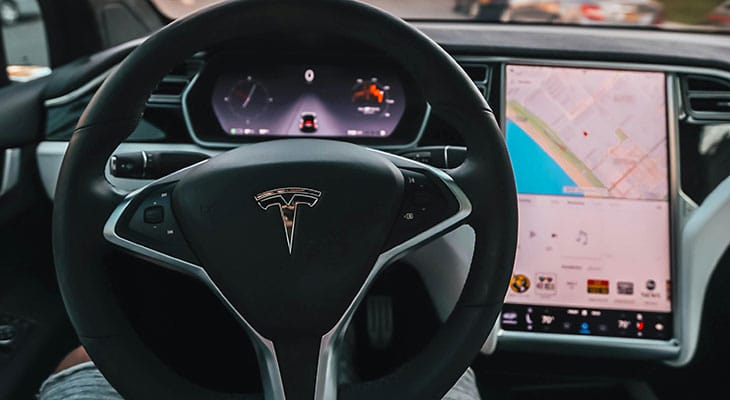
{"x":589,"y":150}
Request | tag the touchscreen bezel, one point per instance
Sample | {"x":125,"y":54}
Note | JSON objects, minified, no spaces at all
{"x":637,"y":347}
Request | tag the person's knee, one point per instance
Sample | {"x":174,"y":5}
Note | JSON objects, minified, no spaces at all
{"x":75,"y":357}
{"x":77,"y":378}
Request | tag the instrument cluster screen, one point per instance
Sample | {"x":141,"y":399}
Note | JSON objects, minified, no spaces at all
{"x":590,"y":156}
{"x":312,"y":100}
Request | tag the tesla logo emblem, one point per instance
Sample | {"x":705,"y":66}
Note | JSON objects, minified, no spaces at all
{"x":288,"y":200}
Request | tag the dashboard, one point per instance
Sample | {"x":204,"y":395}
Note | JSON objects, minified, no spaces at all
{"x":606,"y":262}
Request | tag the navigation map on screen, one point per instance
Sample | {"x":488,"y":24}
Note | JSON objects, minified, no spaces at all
{"x":594,"y":133}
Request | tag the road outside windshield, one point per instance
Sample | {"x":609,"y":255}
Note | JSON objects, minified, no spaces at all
{"x":712,"y":15}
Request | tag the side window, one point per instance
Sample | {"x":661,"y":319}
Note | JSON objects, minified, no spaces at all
{"x":26,"y":46}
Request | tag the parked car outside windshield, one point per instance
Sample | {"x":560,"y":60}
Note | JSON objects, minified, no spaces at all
{"x":648,"y":14}
{"x":587,"y":12}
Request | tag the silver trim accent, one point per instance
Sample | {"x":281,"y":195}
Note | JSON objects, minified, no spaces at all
{"x":145,"y":160}
{"x":265,"y":350}
{"x":10,"y":171}
{"x":700,"y":243}
{"x":326,"y":385}
{"x":690,"y":204}
{"x":704,"y":239}
{"x":675,"y":221}
{"x":589,"y":345}
{"x":80,"y":92}
{"x":622,"y":347}
{"x":446,"y":156}
{"x":231,"y":145}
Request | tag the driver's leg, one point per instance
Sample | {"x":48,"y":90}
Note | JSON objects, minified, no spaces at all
{"x":77,"y":378}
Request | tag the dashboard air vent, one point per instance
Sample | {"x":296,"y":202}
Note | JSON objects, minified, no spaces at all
{"x":707,"y":84}
{"x":707,"y":98}
{"x":170,"y":87}
{"x":170,"y":90}
{"x":479,"y":73}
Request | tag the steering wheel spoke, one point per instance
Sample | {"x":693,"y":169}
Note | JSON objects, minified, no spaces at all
{"x":302,"y":366}
{"x":144,"y":225}
{"x":433,"y":204}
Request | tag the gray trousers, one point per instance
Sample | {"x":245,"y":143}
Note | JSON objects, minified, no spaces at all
{"x":85,"y":382}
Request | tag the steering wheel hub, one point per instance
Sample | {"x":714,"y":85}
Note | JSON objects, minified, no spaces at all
{"x":239,"y":228}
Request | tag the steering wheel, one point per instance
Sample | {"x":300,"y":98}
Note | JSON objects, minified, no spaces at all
{"x":289,"y":234}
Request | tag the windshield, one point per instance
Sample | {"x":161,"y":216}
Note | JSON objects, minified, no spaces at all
{"x":663,"y":14}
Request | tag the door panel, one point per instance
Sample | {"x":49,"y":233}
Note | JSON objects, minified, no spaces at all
{"x":34,"y":329}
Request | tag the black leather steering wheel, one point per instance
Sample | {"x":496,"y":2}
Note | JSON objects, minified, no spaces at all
{"x":293,"y":287}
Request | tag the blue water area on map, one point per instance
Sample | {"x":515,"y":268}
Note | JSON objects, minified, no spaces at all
{"x":535,"y":171}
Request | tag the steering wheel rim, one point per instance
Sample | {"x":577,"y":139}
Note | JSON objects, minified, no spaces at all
{"x":486,"y":178}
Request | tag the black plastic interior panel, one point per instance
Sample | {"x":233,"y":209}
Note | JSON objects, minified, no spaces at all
{"x":3,"y":71}
{"x":22,"y":116}
{"x":159,"y":124}
{"x":61,"y":120}
{"x":582,"y":43}
{"x":30,"y":302}
{"x":186,"y":325}
{"x":24,"y":195}
{"x":73,"y":75}
{"x":705,"y":156}
{"x":122,"y":20}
